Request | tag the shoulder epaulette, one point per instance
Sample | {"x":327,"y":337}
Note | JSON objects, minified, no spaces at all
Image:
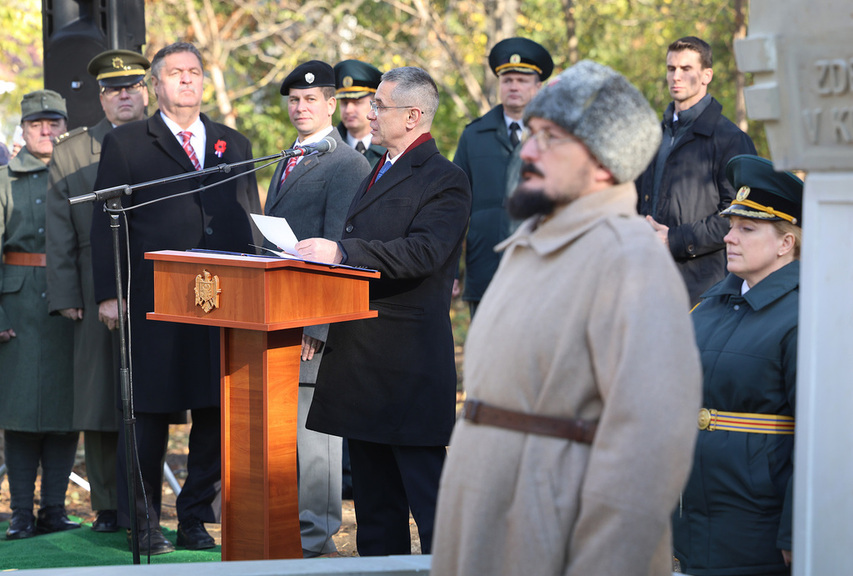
{"x":68,"y":135}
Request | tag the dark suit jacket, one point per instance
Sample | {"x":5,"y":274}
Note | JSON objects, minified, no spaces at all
{"x":392,"y":379}
{"x":175,"y":366}
{"x":314,"y":199}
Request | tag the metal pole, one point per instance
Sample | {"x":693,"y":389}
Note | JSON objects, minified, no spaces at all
{"x":126,"y":396}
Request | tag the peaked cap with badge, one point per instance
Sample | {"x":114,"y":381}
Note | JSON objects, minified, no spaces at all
{"x":521,"y":55}
{"x":762,"y":192}
{"x":311,"y":74}
{"x":46,"y":104}
{"x":356,"y":79}
{"x":118,"y":68}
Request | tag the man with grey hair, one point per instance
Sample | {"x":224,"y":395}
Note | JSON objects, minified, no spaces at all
{"x":580,"y":365}
{"x":388,"y":384}
{"x":175,"y":366}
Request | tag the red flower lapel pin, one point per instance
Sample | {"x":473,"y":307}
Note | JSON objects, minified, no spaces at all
{"x":219,"y":148}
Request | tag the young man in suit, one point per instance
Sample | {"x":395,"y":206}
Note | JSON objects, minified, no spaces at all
{"x":314,"y":193}
{"x":388,"y":384}
{"x":175,"y":366}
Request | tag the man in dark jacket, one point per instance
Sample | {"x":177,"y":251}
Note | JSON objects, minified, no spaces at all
{"x":175,"y":366}
{"x":484,"y":153}
{"x":388,"y":384}
{"x":684,"y":189}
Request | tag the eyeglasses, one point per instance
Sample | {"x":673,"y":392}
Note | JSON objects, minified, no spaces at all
{"x":115,"y":90}
{"x":377,"y":108}
{"x":543,"y":139}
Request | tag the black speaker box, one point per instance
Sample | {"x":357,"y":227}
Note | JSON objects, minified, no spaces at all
{"x":74,"y":32}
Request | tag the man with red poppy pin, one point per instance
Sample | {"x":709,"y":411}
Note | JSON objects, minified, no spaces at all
{"x":175,"y":366}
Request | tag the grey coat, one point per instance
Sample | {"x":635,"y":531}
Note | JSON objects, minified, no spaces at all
{"x":314,"y":199}
{"x":73,"y":169}
{"x":36,"y":387}
{"x":585,"y":319}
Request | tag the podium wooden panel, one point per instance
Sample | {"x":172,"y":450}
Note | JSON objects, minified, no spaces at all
{"x":263,"y":305}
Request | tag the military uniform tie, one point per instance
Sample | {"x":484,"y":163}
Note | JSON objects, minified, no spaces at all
{"x":514,"y":129}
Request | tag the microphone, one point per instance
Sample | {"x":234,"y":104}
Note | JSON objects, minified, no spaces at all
{"x":327,"y":144}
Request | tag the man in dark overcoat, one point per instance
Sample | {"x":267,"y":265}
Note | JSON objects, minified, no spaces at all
{"x":388,"y":384}
{"x":314,"y":197}
{"x":485,"y":153}
{"x":356,"y":83}
{"x":174,"y":367}
{"x":684,"y":189}
{"x":70,"y":293}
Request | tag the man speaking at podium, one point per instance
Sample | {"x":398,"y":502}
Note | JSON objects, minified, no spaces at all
{"x":174,"y":367}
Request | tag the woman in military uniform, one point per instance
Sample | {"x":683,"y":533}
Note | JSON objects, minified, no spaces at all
{"x":735,"y":514}
{"x":36,"y":387}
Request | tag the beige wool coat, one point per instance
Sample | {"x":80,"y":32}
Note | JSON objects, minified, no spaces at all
{"x":587,"y":317}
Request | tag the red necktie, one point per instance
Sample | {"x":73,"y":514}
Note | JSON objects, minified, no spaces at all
{"x":291,"y":164}
{"x":188,"y":148}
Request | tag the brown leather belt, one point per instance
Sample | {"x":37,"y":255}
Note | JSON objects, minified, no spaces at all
{"x":24,"y":259}
{"x":569,"y":428}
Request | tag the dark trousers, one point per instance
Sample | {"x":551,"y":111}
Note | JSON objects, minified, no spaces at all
{"x":203,"y":468}
{"x":101,"y":468}
{"x":387,"y":482}
{"x":24,"y":452}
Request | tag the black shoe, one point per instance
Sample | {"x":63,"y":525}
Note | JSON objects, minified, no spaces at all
{"x":22,"y":525}
{"x":54,"y":519}
{"x":193,"y":536}
{"x":107,"y":521}
{"x":154,"y":545}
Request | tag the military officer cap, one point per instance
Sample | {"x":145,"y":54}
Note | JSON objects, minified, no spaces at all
{"x":356,"y":79}
{"x":311,"y":74}
{"x":521,"y":55}
{"x":762,"y":192}
{"x":118,"y":68}
{"x":43,"y":104}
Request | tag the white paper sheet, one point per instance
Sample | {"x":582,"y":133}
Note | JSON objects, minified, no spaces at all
{"x":279,"y":233}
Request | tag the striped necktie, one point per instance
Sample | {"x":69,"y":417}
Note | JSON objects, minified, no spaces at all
{"x":291,"y":164}
{"x":188,"y":148}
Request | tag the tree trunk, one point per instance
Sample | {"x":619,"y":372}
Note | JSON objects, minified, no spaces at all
{"x":571,"y":30}
{"x":740,"y":80}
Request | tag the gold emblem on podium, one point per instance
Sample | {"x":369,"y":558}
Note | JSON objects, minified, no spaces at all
{"x":207,"y":291}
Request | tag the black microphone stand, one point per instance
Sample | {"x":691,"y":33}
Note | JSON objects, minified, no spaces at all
{"x":128,"y":417}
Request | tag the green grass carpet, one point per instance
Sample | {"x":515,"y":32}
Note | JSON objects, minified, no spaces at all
{"x":83,"y":547}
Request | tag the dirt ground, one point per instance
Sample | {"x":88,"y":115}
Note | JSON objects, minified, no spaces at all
{"x":77,"y":498}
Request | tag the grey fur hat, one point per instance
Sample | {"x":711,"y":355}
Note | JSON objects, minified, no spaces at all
{"x":607,"y":113}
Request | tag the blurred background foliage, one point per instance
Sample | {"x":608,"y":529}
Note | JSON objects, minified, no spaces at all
{"x":250,"y":45}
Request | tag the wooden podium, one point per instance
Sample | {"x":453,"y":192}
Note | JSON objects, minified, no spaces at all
{"x":260,"y":305}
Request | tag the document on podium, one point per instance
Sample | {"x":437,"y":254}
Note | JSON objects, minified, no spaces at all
{"x":279,"y":233}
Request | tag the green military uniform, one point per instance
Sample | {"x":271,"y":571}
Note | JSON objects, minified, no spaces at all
{"x":73,"y":169}
{"x":36,"y":392}
{"x":355,"y":80}
{"x":491,"y":161}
